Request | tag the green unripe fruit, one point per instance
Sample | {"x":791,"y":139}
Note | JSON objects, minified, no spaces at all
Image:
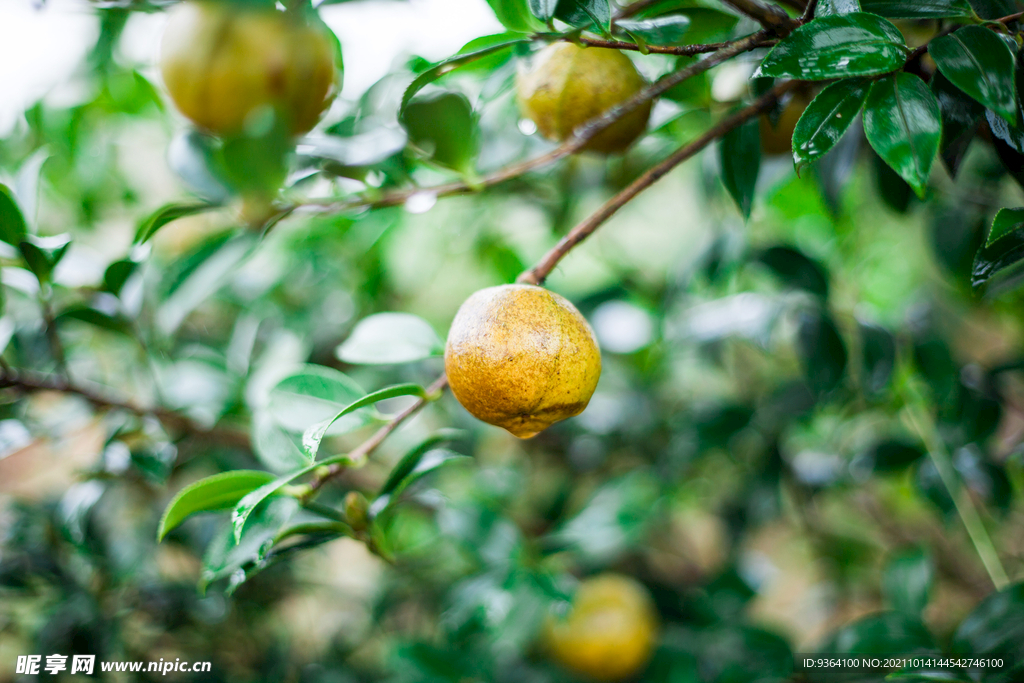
{"x":564,"y":86}
{"x":221,"y":63}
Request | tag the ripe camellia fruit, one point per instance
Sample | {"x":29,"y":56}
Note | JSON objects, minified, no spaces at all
{"x":778,"y":138}
{"x":522,"y":358}
{"x":610,"y":631}
{"x":221,"y":63}
{"x":565,"y":86}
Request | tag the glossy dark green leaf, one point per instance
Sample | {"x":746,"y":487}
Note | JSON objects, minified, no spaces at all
{"x":822,"y":352}
{"x":978,"y":62}
{"x":472,"y":52}
{"x":796,"y":270}
{"x":837,"y":46}
{"x":893,"y":189}
{"x":828,"y":7}
{"x":168,"y":213}
{"x":881,"y":634}
{"x":903,"y":123}
{"x":543,"y":9}
{"x":584,"y":13}
{"x":740,"y":155}
{"x":827,"y":118}
{"x":961,"y":117}
{"x":117,"y":274}
{"x":443,"y":127}
{"x":314,"y":435}
{"x":664,"y":30}
{"x":219,"y":492}
{"x":907,"y":581}
{"x":12,"y":223}
{"x":996,"y":628}
{"x":993,"y":9}
{"x":1005,"y":222}
{"x":1004,"y":253}
{"x":918,"y":9}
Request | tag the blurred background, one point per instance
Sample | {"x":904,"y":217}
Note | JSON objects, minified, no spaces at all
{"x":747,"y":456}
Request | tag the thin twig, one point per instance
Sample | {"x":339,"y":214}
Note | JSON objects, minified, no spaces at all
{"x":577,"y":142}
{"x":679,"y":50}
{"x":539,"y":272}
{"x":29,"y":382}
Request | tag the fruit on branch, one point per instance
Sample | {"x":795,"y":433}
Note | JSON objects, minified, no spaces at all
{"x":777,"y":138}
{"x":222,"y":63}
{"x":564,"y":86}
{"x":608,"y":633}
{"x":522,"y":358}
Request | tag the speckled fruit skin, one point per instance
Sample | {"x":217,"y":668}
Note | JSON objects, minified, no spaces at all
{"x":778,"y":139}
{"x":522,"y":358}
{"x":220,"y":63}
{"x":564,"y":85}
{"x":610,"y":631}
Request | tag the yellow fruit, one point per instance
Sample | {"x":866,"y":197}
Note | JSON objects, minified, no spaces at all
{"x":610,"y":631}
{"x":222,"y":63}
{"x":778,"y":138}
{"x":522,"y":358}
{"x":566,"y":85}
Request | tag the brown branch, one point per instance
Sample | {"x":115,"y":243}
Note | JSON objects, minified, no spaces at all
{"x":680,"y":50}
{"x":772,"y":17}
{"x":577,"y":142}
{"x":358,"y":455}
{"x":28,"y":382}
{"x":539,"y":272}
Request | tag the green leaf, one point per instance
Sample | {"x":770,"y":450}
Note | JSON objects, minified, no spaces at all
{"x":829,"y":7}
{"x":961,"y":117}
{"x":514,"y":15}
{"x":1005,"y":222}
{"x":412,"y":458}
{"x":13,"y":228}
{"x":117,"y":274}
{"x":26,"y":184}
{"x":837,"y":46}
{"x":1002,"y":253}
{"x":996,"y":628}
{"x":312,"y":437}
{"x":313,"y":394}
{"x":993,"y":9}
{"x":664,"y":30}
{"x":903,"y":123}
{"x":426,"y":463}
{"x":248,"y":504}
{"x":168,"y":213}
{"x":228,"y":555}
{"x":881,"y":634}
{"x":196,"y":159}
{"x":276,"y":447}
{"x":97,"y":318}
{"x":584,"y":13}
{"x":918,"y":9}
{"x":878,"y":353}
{"x":543,"y":9}
{"x":472,"y":52}
{"x":42,"y":254}
{"x":978,"y":62}
{"x":740,"y":155}
{"x":827,"y":118}
{"x":390,"y":338}
{"x":219,"y":492}
{"x":907,"y":581}
{"x":444,"y":128}
{"x":796,"y":270}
